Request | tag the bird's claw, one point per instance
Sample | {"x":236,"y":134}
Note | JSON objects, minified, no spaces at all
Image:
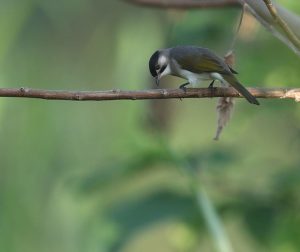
{"x":183,"y":88}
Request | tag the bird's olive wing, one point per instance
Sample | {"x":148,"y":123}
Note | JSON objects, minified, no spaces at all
{"x":201,"y":61}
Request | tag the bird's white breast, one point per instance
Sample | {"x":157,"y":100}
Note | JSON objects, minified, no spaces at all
{"x":194,"y":78}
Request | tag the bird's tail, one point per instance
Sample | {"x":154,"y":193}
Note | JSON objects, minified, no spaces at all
{"x":230,"y":78}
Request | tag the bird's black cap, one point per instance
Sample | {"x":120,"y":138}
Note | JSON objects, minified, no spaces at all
{"x":152,"y":62}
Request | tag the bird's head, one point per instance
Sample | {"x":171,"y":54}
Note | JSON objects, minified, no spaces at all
{"x":159,"y":65}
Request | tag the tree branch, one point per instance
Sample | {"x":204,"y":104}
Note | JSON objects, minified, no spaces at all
{"x":186,"y":4}
{"x":116,"y":94}
{"x":286,"y":28}
{"x":283,"y":25}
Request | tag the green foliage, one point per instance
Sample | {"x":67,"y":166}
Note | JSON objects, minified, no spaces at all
{"x":102,"y":176}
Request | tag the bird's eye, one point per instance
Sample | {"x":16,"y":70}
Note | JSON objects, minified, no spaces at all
{"x":157,"y":67}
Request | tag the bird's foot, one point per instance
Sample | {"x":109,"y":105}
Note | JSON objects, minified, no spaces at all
{"x":183,"y":88}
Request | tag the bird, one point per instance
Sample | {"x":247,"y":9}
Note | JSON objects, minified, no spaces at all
{"x":195,"y":64}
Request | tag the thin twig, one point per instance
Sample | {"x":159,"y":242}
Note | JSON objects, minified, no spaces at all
{"x":186,"y":4}
{"x":236,"y":34}
{"x":116,"y":94}
{"x":283,"y":25}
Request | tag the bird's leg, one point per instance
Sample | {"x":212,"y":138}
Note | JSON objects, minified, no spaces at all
{"x":182,"y":87}
{"x":211,"y":87}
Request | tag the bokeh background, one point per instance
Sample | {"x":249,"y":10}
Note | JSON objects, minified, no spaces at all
{"x":141,"y":175}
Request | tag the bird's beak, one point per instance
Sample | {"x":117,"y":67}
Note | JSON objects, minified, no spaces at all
{"x":157,"y":80}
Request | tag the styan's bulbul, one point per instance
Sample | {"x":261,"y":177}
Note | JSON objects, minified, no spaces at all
{"x":195,"y":64}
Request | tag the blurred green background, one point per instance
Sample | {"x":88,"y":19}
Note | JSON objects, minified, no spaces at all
{"x":123,"y":175}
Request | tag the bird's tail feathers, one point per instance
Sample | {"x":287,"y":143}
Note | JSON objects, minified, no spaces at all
{"x":239,"y":87}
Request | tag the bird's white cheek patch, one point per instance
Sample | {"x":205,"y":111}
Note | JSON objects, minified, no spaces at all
{"x":162,"y":60}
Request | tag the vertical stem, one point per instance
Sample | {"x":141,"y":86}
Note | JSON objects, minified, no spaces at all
{"x":236,"y":34}
{"x":210,"y":215}
{"x":213,"y":221}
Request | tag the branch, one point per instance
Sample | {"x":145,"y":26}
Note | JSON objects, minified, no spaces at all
{"x":261,"y":12}
{"x":187,"y":4}
{"x":283,"y":25}
{"x":286,"y":29}
{"x":116,"y":94}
